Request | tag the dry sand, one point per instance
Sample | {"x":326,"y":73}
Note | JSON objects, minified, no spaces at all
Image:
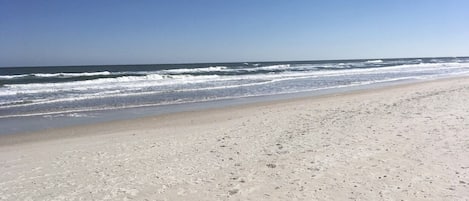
{"x":400,"y":143}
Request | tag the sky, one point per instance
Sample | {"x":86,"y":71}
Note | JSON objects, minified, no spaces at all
{"x":70,"y":32}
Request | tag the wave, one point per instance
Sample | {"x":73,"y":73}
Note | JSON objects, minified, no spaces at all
{"x":135,"y":82}
{"x":215,"y":69}
{"x":193,"y":70}
{"x":275,"y":67}
{"x":123,"y":93}
{"x":7,"y":77}
{"x":212,"y":70}
{"x":55,"y":75}
{"x":169,"y":83}
{"x":71,"y":74}
{"x":153,"y":80}
{"x":180,"y":101}
{"x":257,"y":67}
{"x":155,"y":75}
{"x":374,"y":61}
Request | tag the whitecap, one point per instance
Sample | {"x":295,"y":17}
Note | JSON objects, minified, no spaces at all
{"x":192,"y":70}
{"x":7,"y":77}
{"x":374,"y":61}
{"x":71,"y":74}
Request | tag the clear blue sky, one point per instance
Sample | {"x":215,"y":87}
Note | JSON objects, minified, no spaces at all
{"x":83,"y":32}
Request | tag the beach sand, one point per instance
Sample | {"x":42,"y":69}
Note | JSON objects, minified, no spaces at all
{"x":407,"y":142}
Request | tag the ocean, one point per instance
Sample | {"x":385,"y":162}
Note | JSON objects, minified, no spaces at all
{"x":86,"y":91}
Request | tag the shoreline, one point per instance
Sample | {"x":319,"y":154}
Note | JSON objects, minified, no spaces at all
{"x":38,"y":122}
{"x":62,"y":132}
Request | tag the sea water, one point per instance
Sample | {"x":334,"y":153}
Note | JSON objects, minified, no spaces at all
{"x":40,"y":95}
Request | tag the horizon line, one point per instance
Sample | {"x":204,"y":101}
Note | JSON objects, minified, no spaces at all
{"x":228,"y":62}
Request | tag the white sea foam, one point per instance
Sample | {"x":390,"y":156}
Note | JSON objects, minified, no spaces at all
{"x":71,"y":74}
{"x":274,"y":67}
{"x":192,"y":70}
{"x":123,"y":93}
{"x":50,"y":75}
{"x":215,"y":69}
{"x":7,"y":77}
{"x":76,"y":115}
{"x":375,"y":61}
{"x":104,"y":84}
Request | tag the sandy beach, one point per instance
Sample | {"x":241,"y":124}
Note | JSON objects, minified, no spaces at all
{"x":407,"y":142}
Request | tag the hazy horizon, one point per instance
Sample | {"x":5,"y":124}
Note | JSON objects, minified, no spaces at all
{"x":279,"y":61}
